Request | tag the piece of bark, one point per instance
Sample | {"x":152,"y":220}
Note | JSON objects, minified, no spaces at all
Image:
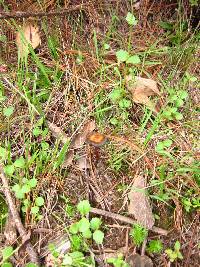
{"x":61,"y":243}
{"x":139,"y":261}
{"x":140,"y":203}
{"x":10,"y":231}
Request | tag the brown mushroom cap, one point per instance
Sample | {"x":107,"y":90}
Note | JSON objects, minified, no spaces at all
{"x":96,"y":139}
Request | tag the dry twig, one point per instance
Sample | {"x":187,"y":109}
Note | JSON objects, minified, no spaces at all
{"x":20,"y":228}
{"x":125,"y":219}
{"x":20,"y":14}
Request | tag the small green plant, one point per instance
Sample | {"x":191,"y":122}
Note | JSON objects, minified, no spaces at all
{"x":69,"y":208}
{"x":8,"y":111}
{"x":118,"y":96}
{"x":176,"y":100}
{"x":163,"y":146}
{"x":79,"y":234}
{"x":131,"y":19}
{"x":191,"y":203}
{"x":138,"y":234}
{"x":73,"y":259}
{"x":194,"y":2}
{"x":124,"y":56}
{"x":87,"y":228}
{"x":118,"y":262}
{"x":155,"y":246}
{"x":23,"y":186}
{"x":163,"y":194}
{"x":175,"y":253}
{"x":6,"y":253}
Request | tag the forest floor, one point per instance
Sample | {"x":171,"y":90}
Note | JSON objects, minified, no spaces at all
{"x":99,"y":119}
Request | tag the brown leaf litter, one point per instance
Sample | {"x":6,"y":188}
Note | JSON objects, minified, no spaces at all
{"x":141,"y":89}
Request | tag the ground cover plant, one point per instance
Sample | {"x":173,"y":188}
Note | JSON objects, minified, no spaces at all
{"x":99,"y":133}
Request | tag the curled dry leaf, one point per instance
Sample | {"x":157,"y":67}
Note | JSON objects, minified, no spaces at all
{"x":57,"y":132}
{"x":28,"y":34}
{"x":78,"y":141}
{"x":82,"y":163}
{"x":80,"y":138}
{"x":141,"y":89}
{"x":140,"y":204}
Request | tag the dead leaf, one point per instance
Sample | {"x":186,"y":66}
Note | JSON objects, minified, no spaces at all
{"x":68,"y":159}
{"x":77,"y":141}
{"x":80,"y":138}
{"x":58,"y":133}
{"x":139,"y":261}
{"x":82,"y":163}
{"x":140,"y":204}
{"x":28,"y":34}
{"x":141,"y":89}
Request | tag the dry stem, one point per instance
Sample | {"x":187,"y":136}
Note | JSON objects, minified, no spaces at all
{"x":125,"y":220}
{"x":20,"y":14}
{"x":23,"y":233}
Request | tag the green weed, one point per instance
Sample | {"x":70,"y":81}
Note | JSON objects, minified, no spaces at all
{"x":138,"y":234}
{"x":155,"y":246}
{"x":118,"y":261}
{"x":175,"y":253}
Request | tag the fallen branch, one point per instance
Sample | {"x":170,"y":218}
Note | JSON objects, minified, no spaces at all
{"x":20,"y":14}
{"x":125,"y":220}
{"x":20,"y":228}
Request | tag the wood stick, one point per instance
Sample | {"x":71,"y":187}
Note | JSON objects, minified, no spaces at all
{"x":20,"y":228}
{"x":20,"y":14}
{"x":125,"y":220}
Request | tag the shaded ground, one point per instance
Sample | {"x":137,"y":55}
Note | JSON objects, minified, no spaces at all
{"x":71,"y":86}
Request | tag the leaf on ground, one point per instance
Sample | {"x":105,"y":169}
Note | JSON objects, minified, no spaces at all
{"x":28,"y":34}
{"x":57,"y":132}
{"x":82,"y":163}
{"x":141,"y":89}
{"x":139,"y":261}
{"x":79,"y":139}
{"x":68,"y":159}
{"x":139,"y":204}
{"x":77,"y":142}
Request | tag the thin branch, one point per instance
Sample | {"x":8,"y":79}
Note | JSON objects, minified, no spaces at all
{"x":20,"y":14}
{"x":20,"y":228}
{"x":125,"y":220}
